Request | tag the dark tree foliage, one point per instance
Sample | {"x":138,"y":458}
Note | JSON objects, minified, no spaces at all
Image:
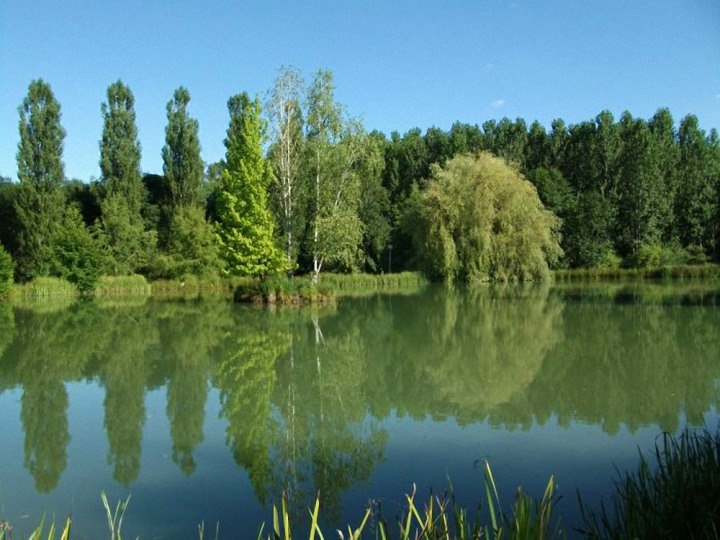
{"x":39,"y":200}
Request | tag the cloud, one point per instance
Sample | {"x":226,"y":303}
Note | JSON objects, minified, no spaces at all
{"x":497,"y":103}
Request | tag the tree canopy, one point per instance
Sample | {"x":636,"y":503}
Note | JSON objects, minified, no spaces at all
{"x":481,"y":220}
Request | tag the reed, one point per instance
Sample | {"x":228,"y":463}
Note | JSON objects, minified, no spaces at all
{"x":134,"y":285}
{"x":44,"y":288}
{"x":678,"y":496}
{"x":284,"y":290}
{"x":677,"y":273}
{"x":341,"y":283}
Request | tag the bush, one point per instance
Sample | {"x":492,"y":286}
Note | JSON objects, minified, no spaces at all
{"x":7,"y":269}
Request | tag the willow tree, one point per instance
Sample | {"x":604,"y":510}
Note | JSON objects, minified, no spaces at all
{"x":245,"y":225}
{"x":480,"y":220}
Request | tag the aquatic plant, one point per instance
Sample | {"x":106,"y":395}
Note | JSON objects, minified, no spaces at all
{"x":676,"y":497}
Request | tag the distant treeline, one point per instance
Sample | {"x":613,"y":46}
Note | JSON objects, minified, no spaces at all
{"x":304,"y":188}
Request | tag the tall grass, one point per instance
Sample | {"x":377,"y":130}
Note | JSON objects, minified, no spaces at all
{"x":677,"y":272}
{"x":44,"y":288}
{"x":341,"y":283}
{"x":676,"y":497}
{"x":134,"y":285}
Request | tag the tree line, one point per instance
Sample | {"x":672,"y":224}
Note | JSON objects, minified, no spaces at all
{"x":303,"y":187}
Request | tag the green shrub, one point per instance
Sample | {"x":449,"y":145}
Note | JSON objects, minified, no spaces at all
{"x":7,"y":269}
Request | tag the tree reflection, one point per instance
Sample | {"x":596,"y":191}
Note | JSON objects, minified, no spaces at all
{"x":50,"y":349}
{"x":189,"y":332}
{"x":124,"y":372}
{"x":246,"y":377}
{"x":325,"y":446}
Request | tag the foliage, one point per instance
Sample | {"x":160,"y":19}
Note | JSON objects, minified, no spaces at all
{"x":676,"y":498}
{"x":481,"y":220}
{"x":79,"y":252}
{"x":334,"y":146}
{"x":7,"y":270}
{"x":244,"y":229}
{"x":130,"y":248}
{"x":120,"y":148}
{"x":374,"y":210}
{"x":182,"y":166}
{"x":40,"y":201}
{"x":192,"y":249}
{"x":284,"y":113}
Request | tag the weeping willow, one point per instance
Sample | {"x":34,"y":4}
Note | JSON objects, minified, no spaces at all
{"x":480,"y":220}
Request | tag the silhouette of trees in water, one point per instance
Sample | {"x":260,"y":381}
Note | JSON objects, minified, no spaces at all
{"x":304,"y":392}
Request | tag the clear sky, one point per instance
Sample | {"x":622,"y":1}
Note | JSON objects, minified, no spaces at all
{"x":398,"y":64}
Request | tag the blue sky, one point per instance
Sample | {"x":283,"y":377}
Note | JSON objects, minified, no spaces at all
{"x":398,"y":64}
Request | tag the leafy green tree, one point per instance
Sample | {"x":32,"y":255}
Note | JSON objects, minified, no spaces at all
{"x":130,"y":247}
{"x":374,"y":211}
{"x":287,"y":142}
{"x":466,"y":139}
{"x":182,"y":165}
{"x":696,"y":197}
{"x":509,"y":140}
{"x":192,"y":249}
{"x":128,"y":243}
{"x":334,"y":147}
{"x":538,"y":148}
{"x":640,"y":188}
{"x":662,"y":129}
{"x":190,"y":242}
{"x":9,"y":222}
{"x":483,"y":221}
{"x":120,"y":148}
{"x":7,"y":270}
{"x":40,"y":199}
{"x":245,"y":225}
{"x":79,"y":252}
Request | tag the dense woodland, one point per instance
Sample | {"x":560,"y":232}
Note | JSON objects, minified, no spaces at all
{"x":305,"y":188}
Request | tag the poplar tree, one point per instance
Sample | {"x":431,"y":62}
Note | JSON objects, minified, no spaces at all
{"x":129,"y":245}
{"x":696,"y":197}
{"x":182,"y":164}
{"x":245,"y":225}
{"x":40,"y":199}
{"x":190,"y":240}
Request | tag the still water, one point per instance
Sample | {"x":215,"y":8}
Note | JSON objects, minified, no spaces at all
{"x":205,"y":411}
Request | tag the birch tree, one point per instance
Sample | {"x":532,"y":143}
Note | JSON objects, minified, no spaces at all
{"x":285,"y":122}
{"x":334,"y":148}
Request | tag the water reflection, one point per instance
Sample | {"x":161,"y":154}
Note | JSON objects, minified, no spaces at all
{"x":304,"y":393}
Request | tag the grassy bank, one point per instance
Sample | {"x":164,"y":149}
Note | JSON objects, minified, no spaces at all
{"x":674,"y":493}
{"x":301,"y":290}
{"x":664,"y":273}
{"x":274,"y":290}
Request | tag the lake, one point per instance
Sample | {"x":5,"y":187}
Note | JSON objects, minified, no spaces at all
{"x":206,"y":411}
